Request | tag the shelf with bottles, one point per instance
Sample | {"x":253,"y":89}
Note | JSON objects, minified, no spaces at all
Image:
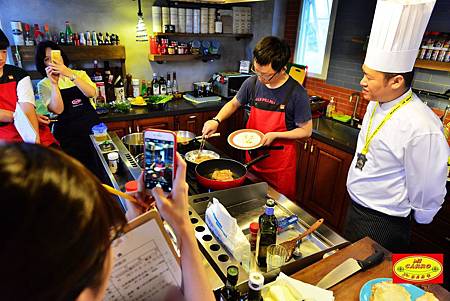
{"x":432,"y":65}
{"x":161,"y":58}
{"x":74,"y":53}
{"x":206,"y":35}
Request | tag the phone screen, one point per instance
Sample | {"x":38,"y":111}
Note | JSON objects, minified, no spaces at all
{"x":159,"y":163}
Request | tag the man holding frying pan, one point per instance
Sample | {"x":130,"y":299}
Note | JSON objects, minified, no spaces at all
{"x":279,"y":109}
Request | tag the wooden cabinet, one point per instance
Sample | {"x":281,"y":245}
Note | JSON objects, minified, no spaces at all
{"x":322,"y":176}
{"x":121,"y":128}
{"x":162,"y":123}
{"x":190,"y":122}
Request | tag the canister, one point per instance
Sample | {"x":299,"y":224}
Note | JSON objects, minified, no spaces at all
{"x":182,"y":20}
{"x":156,"y":19}
{"x":189,"y":20}
{"x":113,"y":161}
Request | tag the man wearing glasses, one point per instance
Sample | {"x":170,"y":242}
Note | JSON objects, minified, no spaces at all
{"x":279,"y":109}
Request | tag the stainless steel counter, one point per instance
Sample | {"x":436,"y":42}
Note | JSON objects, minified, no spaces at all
{"x":245,"y":203}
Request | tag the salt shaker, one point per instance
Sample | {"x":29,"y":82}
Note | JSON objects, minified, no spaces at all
{"x":113,"y":161}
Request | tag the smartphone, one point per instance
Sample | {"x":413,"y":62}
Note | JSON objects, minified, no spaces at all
{"x":56,"y":56}
{"x":159,"y":156}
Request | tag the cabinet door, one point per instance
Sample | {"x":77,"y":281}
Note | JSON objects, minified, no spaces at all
{"x":162,"y":123}
{"x":190,"y":122}
{"x":121,"y":128}
{"x":302,"y":166}
{"x":325,"y":191}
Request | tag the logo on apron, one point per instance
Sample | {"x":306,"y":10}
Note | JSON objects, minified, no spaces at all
{"x":77,"y":102}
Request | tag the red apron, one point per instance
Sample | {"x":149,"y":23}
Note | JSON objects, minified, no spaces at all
{"x":8,"y":132}
{"x":280,"y":169}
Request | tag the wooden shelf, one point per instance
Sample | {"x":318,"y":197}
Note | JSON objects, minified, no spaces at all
{"x":432,"y":65}
{"x":75,"y":54}
{"x":173,"y":57}
{"x":206,"y":35}
{"x":78,"y":53}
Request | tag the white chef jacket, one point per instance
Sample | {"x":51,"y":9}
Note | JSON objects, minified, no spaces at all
{"x":406,"y":166}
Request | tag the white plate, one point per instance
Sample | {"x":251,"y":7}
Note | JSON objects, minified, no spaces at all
{"x":246,"y":139}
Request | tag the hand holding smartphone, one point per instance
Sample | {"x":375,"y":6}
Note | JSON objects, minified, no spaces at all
{"x":159,"y":156}
{"x":56,"y":56}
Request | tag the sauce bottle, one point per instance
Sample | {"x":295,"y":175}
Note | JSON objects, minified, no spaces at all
{"x":267,"y":235}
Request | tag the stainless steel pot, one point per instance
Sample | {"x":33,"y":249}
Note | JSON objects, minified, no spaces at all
{"x":134,"y":143}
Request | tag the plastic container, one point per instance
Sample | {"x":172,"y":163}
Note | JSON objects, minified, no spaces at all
{"x":113,"y":161}
{"x":100,"y":132}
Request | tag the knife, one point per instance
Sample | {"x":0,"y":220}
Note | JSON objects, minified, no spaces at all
{"x":348,"y":268}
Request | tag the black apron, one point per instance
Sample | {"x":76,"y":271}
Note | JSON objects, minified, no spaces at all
{"x":392,"y":232}
{"x":74,"y":127}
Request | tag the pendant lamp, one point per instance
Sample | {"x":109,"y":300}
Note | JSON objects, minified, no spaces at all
{"x":141,"y":29}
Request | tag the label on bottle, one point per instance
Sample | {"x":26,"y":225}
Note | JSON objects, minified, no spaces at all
{"x":119,"y":92}
{"x":155,"y":89}
{"x":163,"y":90}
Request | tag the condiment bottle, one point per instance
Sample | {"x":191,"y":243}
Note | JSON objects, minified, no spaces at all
{"x":267,"y":235}
{"x":113,"y":161}
{"x":255,"y":285}
{"x":229,"y":292}
{"x":254,"y":227}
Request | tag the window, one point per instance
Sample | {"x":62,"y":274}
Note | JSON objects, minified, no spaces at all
{"x":315,"y":33}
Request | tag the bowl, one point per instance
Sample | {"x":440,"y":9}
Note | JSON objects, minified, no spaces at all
{"x":192,"y":155}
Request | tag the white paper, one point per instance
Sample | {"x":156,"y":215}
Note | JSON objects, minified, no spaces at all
{"x":144,"y":267}
{"x":23,"y":126}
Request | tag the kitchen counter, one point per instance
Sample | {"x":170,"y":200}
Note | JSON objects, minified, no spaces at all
{"x":348,"y":290}
{"x":172,"y":108}
{"x":332,"y":132}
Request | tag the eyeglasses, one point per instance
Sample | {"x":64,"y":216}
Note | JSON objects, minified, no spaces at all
{"x":266,"y":78}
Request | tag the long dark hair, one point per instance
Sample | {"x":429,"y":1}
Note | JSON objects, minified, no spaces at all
{"x":57,"y":224}
{"x":40,"y":55}
{"x":4,"y":42}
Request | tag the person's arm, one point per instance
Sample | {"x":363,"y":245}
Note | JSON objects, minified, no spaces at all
{"x":210,"y":126}
{"x":81,"y":82}
{"x":175,"y":211}
{"x":50,"y":93}
{"x":6,"y":116}
{"x":25,"y":98}
{"x":303,"y":130}
{"x":426,"y":175}
{"x":29,"y":110}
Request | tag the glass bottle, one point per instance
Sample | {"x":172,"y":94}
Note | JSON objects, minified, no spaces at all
{"x":48,"y":36}
{"x":88,"y":38}
{"x":28,"y":40}
{"x":94,"y":38}
{"x":218,"y":24}
{"x":229,"y":292}
{"x":267,"y":235}
{"x":162,"y":86}
{"x":109,"y":84}
{"x":169,"y":85}
{"x":174,"y":84}
{"x":100,"y":38}
{"x":62,"y":38}
{"x":38,"y":35}
{"x":119,"y":90}
{"x":68,"y":34}
{"x":255,"y":285}
{"x":82,"y":39}
{"x":155,"y":84}
{"x":129,"y":86}
{"x":143,"y":88}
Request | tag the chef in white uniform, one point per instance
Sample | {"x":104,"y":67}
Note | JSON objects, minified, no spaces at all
{"x":399,"y":170}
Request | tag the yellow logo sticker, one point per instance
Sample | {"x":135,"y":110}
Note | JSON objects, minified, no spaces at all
{"x":417,"y":268}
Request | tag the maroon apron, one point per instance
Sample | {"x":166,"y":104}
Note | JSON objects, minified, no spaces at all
{"x":8,"y":132}
{"x":280,"y":169}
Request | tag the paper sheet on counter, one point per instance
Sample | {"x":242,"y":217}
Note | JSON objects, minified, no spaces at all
{"x":145,"y":266}
{"x":23,"y":126}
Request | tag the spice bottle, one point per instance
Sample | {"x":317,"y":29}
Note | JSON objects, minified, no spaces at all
{"x":254,"y":227}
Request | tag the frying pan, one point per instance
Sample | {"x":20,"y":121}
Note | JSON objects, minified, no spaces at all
{"x":204,"y":170}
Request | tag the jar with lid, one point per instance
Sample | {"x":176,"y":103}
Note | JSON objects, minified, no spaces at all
{"x":113,"y":161}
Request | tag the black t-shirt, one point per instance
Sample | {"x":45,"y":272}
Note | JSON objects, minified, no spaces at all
{"x":12,"y":73}
{"x":297,"y":109}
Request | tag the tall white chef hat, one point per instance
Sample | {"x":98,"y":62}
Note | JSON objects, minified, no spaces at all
{"x":397,"y":30}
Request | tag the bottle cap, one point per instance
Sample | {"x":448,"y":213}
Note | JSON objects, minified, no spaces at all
{"x":255,"y":281}
{"x":131,"y":186}
{"x":113,"y":156}
{"x":232,"y":274}
{"x":270,"y":203}
{"x":254,"y":227}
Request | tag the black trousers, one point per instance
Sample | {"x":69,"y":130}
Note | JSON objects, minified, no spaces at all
{"x":392,"y":232}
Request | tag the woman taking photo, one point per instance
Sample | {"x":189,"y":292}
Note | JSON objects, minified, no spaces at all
{"x":58,"y":222}
{"x":66,"y":92}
